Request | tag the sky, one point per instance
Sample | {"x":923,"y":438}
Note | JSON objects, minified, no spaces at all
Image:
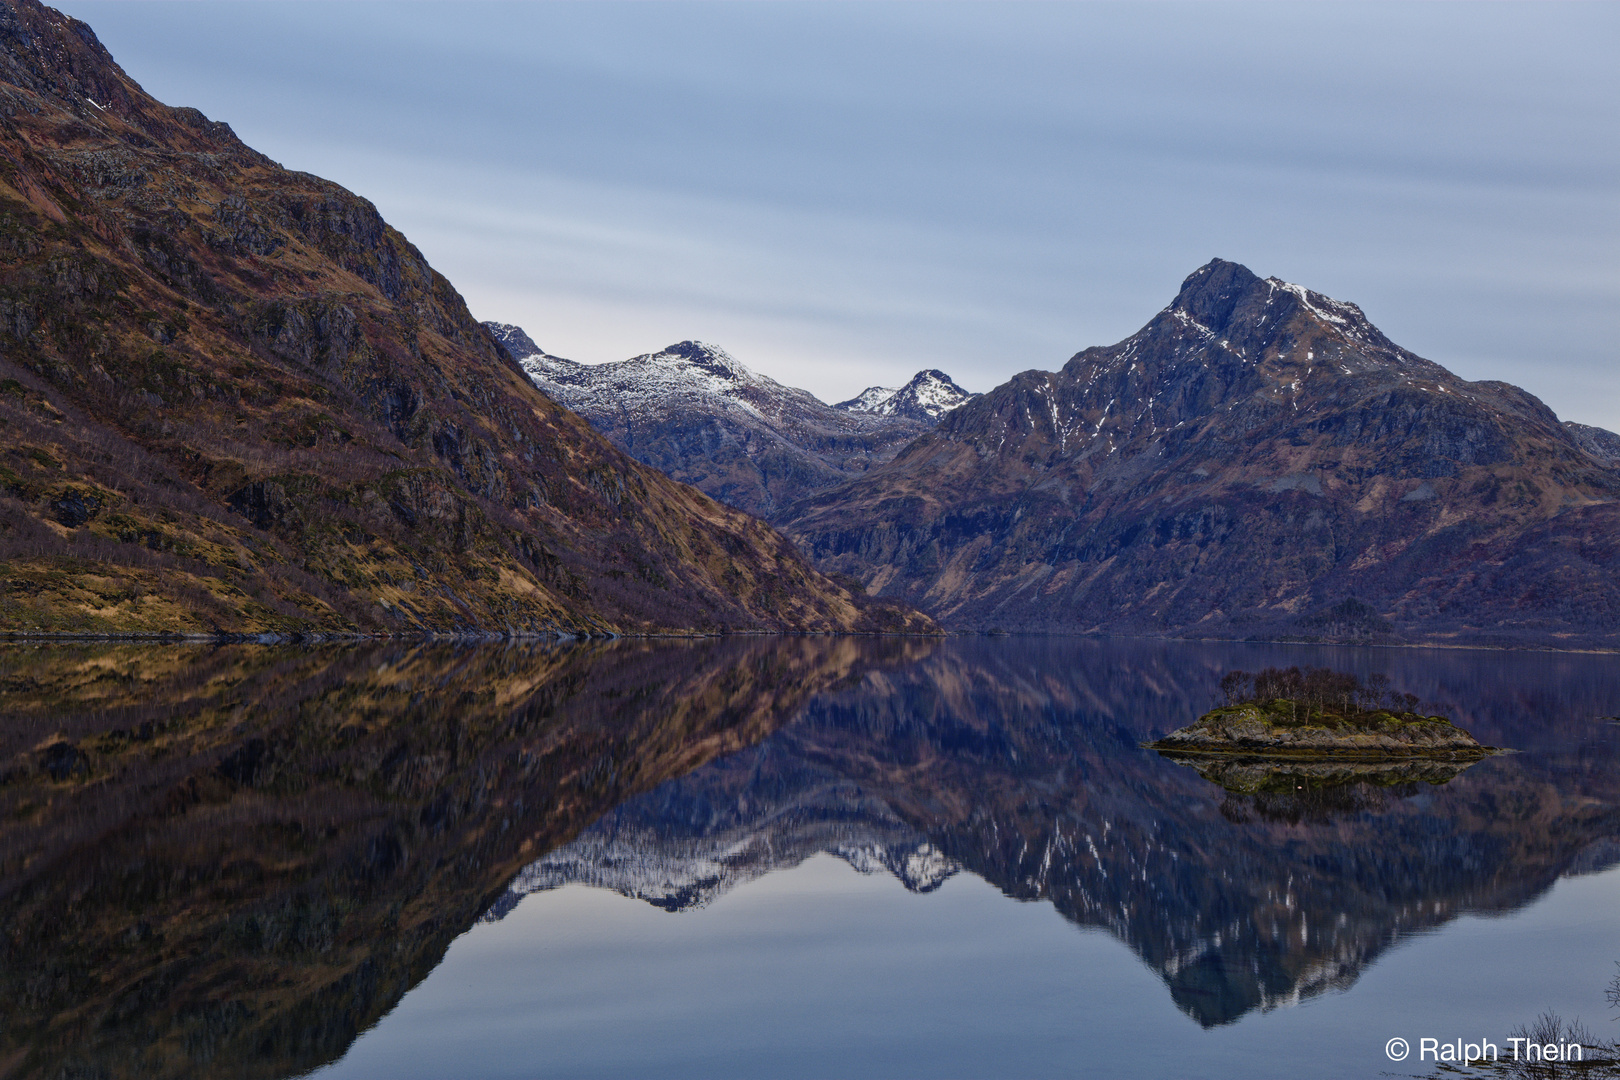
{"x":841,"y":194}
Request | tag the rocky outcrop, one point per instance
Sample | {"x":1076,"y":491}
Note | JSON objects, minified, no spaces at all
{"x":1282,"y":728}
{"x":235,"y":400}
{"x":1258,"y":460}
{"x":697,"y":414}
{"x":1602,"y":444}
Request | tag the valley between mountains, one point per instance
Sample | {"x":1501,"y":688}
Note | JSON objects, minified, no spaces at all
{"x":234,"y":400}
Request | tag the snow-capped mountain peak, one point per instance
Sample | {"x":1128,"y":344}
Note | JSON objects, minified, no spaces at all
{"x":869,"y":400}
{"x":709,"y":358}
{"x":929,"y":395}
{"x":696,"y":412}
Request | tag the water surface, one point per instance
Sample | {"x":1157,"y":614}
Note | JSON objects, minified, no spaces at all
{"x":789,"y":857}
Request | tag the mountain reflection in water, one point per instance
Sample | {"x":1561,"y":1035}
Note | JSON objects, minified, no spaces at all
{"x":1244,"y":885}
{"x":231,"y":861}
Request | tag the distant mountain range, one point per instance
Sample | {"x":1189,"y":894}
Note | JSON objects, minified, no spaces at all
{"x":1258,"y":460}
{"x":705,"y":419}
{"x":235,"y":400}
{"x":1600,"y":443}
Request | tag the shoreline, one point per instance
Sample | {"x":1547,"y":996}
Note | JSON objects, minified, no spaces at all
{"x":327,"y":637}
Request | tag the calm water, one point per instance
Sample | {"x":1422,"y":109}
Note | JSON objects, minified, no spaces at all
{"x":795,"y":858}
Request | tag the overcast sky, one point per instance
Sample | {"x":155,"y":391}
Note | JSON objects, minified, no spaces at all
{"x":841,"y":194}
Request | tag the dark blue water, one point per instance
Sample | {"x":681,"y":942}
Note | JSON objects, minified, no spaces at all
{"x":966,"y":865}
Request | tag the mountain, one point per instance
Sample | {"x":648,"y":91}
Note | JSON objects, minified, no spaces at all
{"x":234,"y":399}
{"x":1258,"y":460}
{"x":707,"y":420}
{"x":928,"y":396}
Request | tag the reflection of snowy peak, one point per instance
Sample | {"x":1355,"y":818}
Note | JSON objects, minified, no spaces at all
{"x":928,"y":396}
{"x":683,"y":867}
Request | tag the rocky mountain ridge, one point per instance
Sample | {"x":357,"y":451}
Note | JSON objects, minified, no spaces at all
{"x":704,"y":418}
{"x":1258,"y":460}
{"x":235,"y":400}
{"x":1600,"y":443}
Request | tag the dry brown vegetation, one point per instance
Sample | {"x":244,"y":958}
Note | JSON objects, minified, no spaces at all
{"x":233,"y":399}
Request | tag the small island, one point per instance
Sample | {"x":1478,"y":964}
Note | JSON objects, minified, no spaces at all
{"x":1318,"y":713}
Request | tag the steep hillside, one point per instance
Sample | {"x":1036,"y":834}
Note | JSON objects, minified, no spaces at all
{"x":1257,"y":460}
{"x":234,"y":399}
{"x":700,"y":416}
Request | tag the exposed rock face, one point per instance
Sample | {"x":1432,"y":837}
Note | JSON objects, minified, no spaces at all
{"x":1602,"y":444}
{"x":1250,"y":462}
{"x":699,"y":415}
{"x":1274,"y":729}
{"x":516,"y":343}
{"x":928,"y":396}
{"x":234,"y":399}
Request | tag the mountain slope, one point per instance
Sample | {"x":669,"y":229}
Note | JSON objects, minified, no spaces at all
{"x":234,"y":399}
{"x":1257,"y":460}
{"x":698,"y":415}
{"x":1599,"y":443}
